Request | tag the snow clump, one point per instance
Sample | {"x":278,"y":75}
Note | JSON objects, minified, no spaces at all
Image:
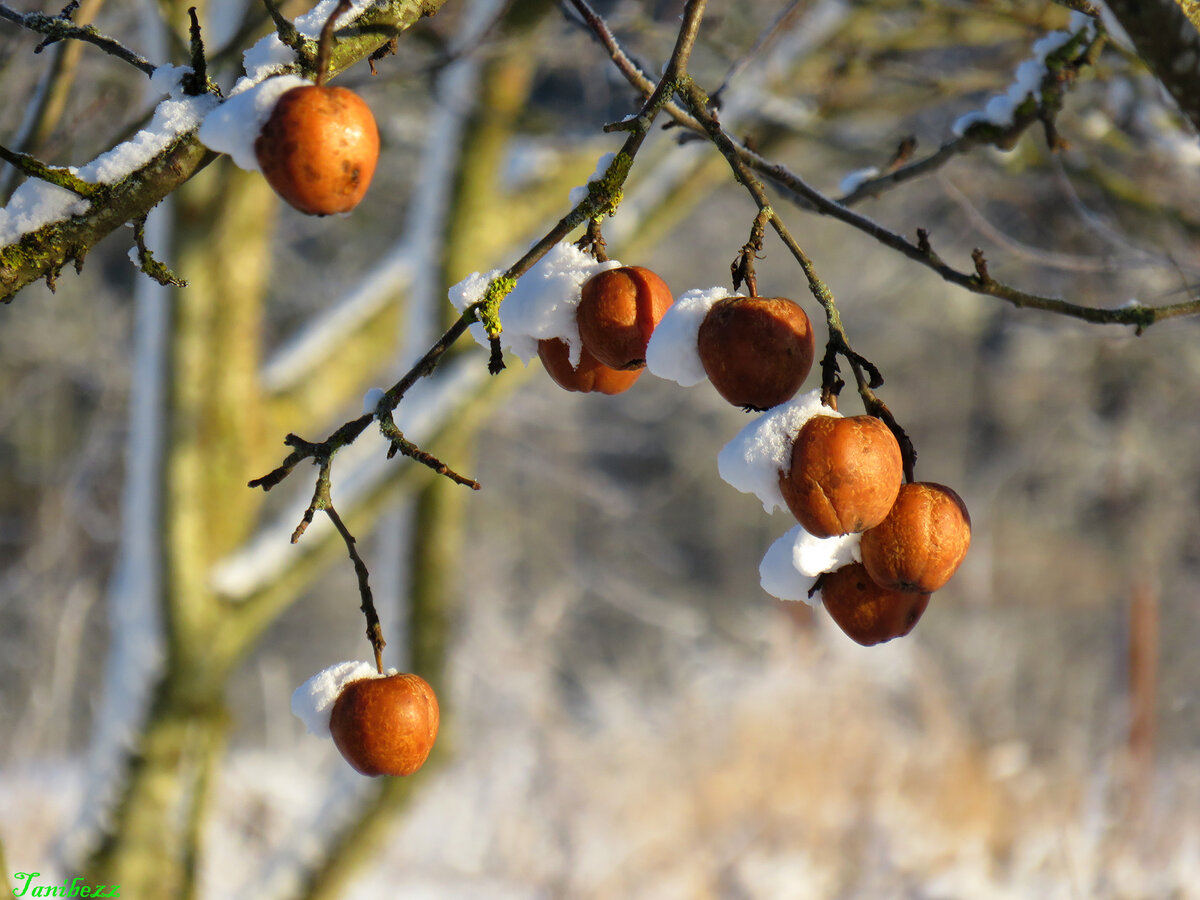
{"x":541,"y":306}
{"x":752,"y":461}
{"x":235,"y":125}
{"x":312,"y":702}
{"x":673,"y":351}
{"x":793,"y":562}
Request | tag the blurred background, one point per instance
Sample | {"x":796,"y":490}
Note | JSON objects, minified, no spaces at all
{"x":625,"y":712}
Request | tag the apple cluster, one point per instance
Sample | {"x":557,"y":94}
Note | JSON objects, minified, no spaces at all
{"x":845,"y":477}
{"x":872,"y":546}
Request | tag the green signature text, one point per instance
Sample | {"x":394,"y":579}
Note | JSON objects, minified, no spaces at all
{"x":73,"y":888}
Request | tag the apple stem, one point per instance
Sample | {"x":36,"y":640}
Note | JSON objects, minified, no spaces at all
{"x":324,"y":44}
{"x":374,"y":629}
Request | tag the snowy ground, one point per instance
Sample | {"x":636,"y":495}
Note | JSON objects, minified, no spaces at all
{"x":820,"y":771}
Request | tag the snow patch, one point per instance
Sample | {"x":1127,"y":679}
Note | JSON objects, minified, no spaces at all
{"x":235,"y":125}
{"x":853,"y":181}
{"x":672,"y":352}
{"x":541,"y":306}
{"x":312,"y":702}
{"x":579,"y":194}
{"x":371,"y":400}
{"x":794,"y":562}
{"x":752,"y":461}
{"x":1027,"y":80}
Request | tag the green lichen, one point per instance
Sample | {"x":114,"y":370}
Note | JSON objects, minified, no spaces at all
{"x":41,"y":252}
{"x":487,"y":310}
{"x":606,"y":192}
{"x":63,"y":178}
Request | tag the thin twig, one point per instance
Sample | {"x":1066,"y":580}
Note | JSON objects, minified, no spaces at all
{"x":402,"y":445}
{"x":287,"y":32}
{"x":146,"y":261}
{"x":196,"y":81}
{"x":374,"y":629}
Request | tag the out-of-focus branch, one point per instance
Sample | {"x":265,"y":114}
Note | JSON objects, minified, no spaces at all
{"x":1166,"y":34}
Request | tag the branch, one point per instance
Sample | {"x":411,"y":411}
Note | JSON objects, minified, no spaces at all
{"x":809,"y":198}
{"x":33,"y":167}
{"x":43,"y":252}
{"x":866,"y":375}
{"x":58,"y":28}
{"x":603,"y":197}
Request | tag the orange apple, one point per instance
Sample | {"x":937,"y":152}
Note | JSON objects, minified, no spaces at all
{"x":386,"y":725}
{"x":590,"y":375}
{"x":318,"y":149}
{"x":844,"y":476}
{"x":618,"y":311}
{"x":866,"y":612}
{"x":921,"y":542}
{"x":756,"y":351}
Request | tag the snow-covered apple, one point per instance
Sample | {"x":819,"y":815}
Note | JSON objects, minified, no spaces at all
{"x":921,"y":541}
{"x":618,"y":311}
{"x":385,"y":725}
{"x":590,"y":375}
{"x":844,"y":475}
{"x":756,"y":351}
{"x":318,"y":149}
{"x":867,"y":613}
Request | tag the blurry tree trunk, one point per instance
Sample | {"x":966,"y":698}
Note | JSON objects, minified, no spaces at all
{"x":223,"y":228}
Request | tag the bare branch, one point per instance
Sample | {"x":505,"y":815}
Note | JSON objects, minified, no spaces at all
{"x":809,"y":198}
{"x":58,"y":28}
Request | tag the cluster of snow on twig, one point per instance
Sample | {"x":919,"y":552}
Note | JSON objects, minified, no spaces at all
{"x":1027,"y":79}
